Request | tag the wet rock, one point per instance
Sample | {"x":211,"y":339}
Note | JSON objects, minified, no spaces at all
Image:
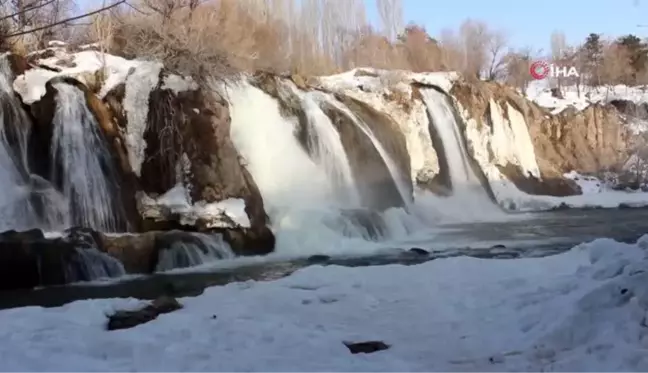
{"x":17,"y":63}
{"x":499,"y":246}
{"x":188,"y":138}
{"x":83,"y":238}
{"x":22,"y":236}
{"x":552,"y":186}
{"x":250,"y":242}
{"x":28,"y":259}
{"x":130,"y":319}
{"x":137,"y":252}
{"x":366,"y":347}
{"x":143,"y":253}
{"x":319,"y":258}
{"x":562,"y":206}
{"x":419,"y":251}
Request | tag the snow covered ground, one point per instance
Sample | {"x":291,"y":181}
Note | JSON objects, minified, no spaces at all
{"x":539,"y":92}
{"x":596,"y":194}
{"x":581,"y":310}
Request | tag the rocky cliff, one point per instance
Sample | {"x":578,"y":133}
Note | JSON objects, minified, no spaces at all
{"x":121,"y":146}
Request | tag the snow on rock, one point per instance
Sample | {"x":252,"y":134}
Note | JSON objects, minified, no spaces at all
{"x":177,"y":83}
{"x":229,"y":213}
{"x":375,"y":80}
{"x":539,"y":92}
{"x":139,"y":85}
{"x":583,"y":310}
{"x":31,"y":85}
{"x":588,"y":184}
{"x":385,"y":91}
{"x":510,"y":142}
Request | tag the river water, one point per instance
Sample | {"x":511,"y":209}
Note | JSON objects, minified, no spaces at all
{"x":533,"y":235}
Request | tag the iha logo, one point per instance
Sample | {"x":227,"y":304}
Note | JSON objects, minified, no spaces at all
{"x":541,"y":69}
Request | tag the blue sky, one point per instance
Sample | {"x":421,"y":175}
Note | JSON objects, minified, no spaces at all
{"x":530,"y":23}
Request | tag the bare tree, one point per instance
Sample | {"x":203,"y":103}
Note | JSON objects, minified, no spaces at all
{"x":391,"y":16}
{"x":558,"y":50}
{"x":496,"y":45}
{"x":517,"y":68}
{"x":474,"y":38}
{"x":615,"y":65}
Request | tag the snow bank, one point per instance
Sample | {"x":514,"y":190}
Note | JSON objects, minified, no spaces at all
{"x":578,"y":311}
{"x":229,"y":213}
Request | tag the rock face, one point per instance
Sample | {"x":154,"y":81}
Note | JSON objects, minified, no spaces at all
{"x":586,"y":141}
{"x":187,"y":143}
{"x":177,"y":169}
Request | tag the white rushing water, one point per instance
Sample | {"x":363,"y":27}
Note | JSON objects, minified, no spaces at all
{"x":196,"y":249}
{"x":298,"y":192}
{"x":79,"y":150}
{"x":27,"y":201}
{"x":397,"y":175}
{"x":467,"y":190}
{"x":328,"y":151}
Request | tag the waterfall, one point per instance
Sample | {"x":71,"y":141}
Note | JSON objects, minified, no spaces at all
{"x":82,"y":162}
{"x":466,"y":186}
{"x":327,"y":148}
{"x":298,"y":192}
{"x":16,"y":209}
{"x":27,"y":201}
{"x":199,"y":249}
{"x":396,"y":174}
{"x":92,"y":264}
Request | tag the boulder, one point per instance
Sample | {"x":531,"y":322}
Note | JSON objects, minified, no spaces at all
{"x":125,"y":319}
{"x":28,"y":259}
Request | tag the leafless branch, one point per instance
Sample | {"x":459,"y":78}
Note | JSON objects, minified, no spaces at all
{"x":65,"y":20}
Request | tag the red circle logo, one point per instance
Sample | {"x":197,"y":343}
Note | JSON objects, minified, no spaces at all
{"x":539,"y":70}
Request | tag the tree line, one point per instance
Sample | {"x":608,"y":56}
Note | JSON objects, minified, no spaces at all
{"x":309,"y":37}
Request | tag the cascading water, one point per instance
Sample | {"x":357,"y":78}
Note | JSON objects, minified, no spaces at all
{"x":92,"y":264}
{"x":82,"y":162}
{"x":466,"y":187}
{"x":395,"y":173}
{"x":298,"y":192}
{"x":328,"y":150}
{"x":196,"y":249}
{"x":27,"y":201}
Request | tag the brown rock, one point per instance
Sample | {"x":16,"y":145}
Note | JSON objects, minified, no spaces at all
{"x":587,"y":141}
{"x":18,"y":64}
{"x":137,"y":252}
{"x":132,"y":318}
{"x":191,"y":129}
